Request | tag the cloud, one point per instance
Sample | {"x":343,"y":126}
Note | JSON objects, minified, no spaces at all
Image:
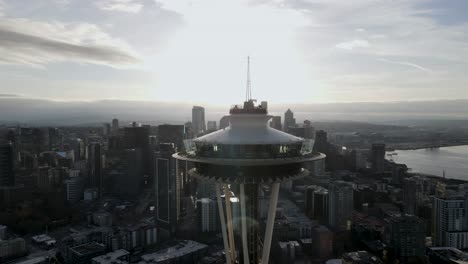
{"x":35,"y":43}
{"x":9,"y":95}
{"x":130,"y":6}
{"x":405,"y":63}
{"x":357,"y":43}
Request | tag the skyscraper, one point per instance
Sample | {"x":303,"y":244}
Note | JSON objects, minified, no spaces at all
{"x":450,"y":222}
{"x":137,"y":137}
{"x":224,"y":122}
{"x":95,"y":167}
{"x":340,"y":206}
{"x":207,"y":211}
{"x":406,"y":234}
{"x":171,"y":134}
{"x":378,"y":157}
{"x":115,"y":126}
{"x":413,"y":193}
{"x":276,"y":122}
{"x":289,"y":120}
{"x":167,"y":188}
{"x":7,"y":164}
{"x":198,"y":119}
{"x":316,"y":203}
{"x":211,"y":126}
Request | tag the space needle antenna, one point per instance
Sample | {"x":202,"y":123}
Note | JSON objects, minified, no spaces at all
{"x":248,"y":91}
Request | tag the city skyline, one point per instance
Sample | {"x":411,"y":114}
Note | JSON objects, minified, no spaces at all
{"x":320,"y":51}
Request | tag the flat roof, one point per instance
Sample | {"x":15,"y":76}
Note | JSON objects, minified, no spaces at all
{"x":182,"y":248}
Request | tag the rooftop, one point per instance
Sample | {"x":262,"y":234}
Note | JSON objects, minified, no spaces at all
{"x":182,"y":248}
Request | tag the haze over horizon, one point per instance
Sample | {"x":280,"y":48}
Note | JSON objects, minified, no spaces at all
{"x":308,"y":51}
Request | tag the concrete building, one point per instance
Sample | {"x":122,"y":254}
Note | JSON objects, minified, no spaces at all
{"x":413,"y":193}
{"x":340,"y":205}
{"x":450,"y":222}
{"x":446,"y":255}
{"x":185,"y":252}
{"x":172,"y":134}
{"x":74,"y":189}
{"x":198,"y":120}
{"x":207,"y":212}
{"x":360,"y":257}
{"x":316,"y":203}
{"x":276,"y":122}
{"x":289,"y":120}
{"x":120,"y":256}
{"x":12,"y":248}
{"x":211,"y":126}
{"x":167,"y":188}
{"x":115,"y":126}
{"x":406,"y":234}
{"x":322,"y":242}
{"x":7,"y":164}
{"x":95,"y":167}
{"x":377,"y":158}
{"x":83,"y":254}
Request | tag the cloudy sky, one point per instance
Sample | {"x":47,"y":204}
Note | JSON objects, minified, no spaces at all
{"x":303,"y":51}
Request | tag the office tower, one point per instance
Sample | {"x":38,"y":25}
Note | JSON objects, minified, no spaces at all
{"x":74,"y":187}
{"x":188,"y":130}
{"x":322,"y":242}
{"x":55,"y":139}
{"x":316,"y":203}
{"x":321,"y":141}
{"x":406,"y":234}
{"x":115,"y":126}
{"x":106,"y":129}
{"x":167,"y":188}
{"x":131,"y":182}
{"x":264,"y":105}
{"x":242,"y":156}
{"x":198,"y":120}
{"x":413,"y":193}
{"x":276,"y":122}
{"x":309,"y":130}
{"x":289,"y":120}
{"x":207,"y":212}
{"x":7,"y":164}
{"x":171,"y":134}
{"x":450,"y":222}
{"x":378,"y":157}
{"x":137,"y":137}
{"x":95,"y":167}
{"x":340,"y":206}
{"x":211,"y":126}
{"x":224,"y":122}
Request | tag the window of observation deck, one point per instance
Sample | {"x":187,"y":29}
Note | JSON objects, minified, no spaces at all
{"x":248,"y":151}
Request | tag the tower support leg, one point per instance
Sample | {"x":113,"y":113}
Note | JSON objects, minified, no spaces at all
{"x":270,"y":222}
{"x":227,"y":199}
{"x":223,"y":224}
{"x":245,"y":247}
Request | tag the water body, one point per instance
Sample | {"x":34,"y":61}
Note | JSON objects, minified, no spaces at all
{"x":454,"y":160}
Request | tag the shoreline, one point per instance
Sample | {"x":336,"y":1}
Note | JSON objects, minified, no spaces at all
{"x":423,"y":146}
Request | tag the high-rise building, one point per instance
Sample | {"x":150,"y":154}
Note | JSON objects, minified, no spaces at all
{"x":7,"y":164}
{"x":413,"y":193}
{"x":340,"y":206}
{"x":316,"y":203}
{"x":95,"y":167}
{"x":321,"y":141}
{"x":167,"y":188}
{"x":309,"y":130}
{"x":450,"y":222}
{"x":276,"y":122}
{"x":406,"y":234}
{"x":264,"y":105}
{"x":198,"y":119}
{"x":241,"y":157}
{"x":138,"y":137}
{"x":115,"y":126}
{"x":74,"y":187}
{"x":322,"y":242}
{"x":106,"y":129}
{"x":207,"y":211}
{"x":224,"y":122}
{"x":211,"y":126}
{"x":378,"y":157}
{"x":131,"y":182}
{"x":171,"y":134}
{"x":289,"y":120}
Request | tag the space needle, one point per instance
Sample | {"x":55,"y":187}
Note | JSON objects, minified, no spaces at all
{"x":249,"y":154}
